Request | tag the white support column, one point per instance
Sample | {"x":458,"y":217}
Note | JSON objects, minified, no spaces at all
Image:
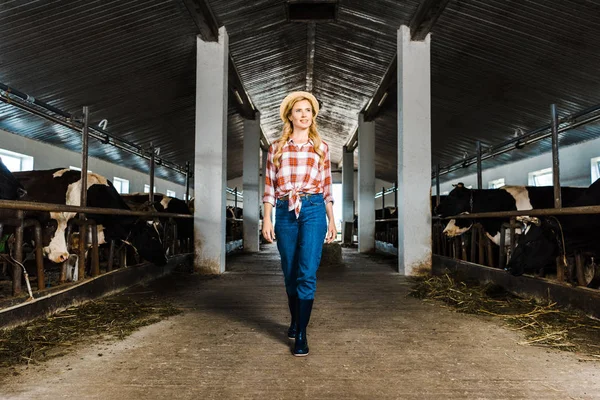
{"x":366,"y":185}
{"x":347,"y":188}
{"x":251,"y":179}
{"x":414,"y":153}
{"x":210,"y":171}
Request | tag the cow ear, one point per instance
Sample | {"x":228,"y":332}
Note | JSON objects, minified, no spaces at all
{"x":21,"y":192}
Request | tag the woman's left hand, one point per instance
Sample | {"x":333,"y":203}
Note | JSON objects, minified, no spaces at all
{"x":331,"y":232}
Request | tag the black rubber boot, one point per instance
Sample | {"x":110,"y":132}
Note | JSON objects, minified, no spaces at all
{"x":301,"y":344}
{"x":292,"y":303}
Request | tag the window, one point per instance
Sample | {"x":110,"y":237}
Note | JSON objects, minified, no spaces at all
{"x":595,"y":169}
{"x":122,"y":185}
{"x":147,"y":188}
{"x":543,"y":177}
{"x":78,"y":169}
{"x":16,"y":162}
{"x":171,"y":193}
{"x":445,"y":193}
{"x":495,"y":184}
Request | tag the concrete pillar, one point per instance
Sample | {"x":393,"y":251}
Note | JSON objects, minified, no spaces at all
{"x":210,"y":171}
{"x":366,"y":185}
{"x":347,"y":188}
{"x":414,"y":153}
{"x":251,"y":180}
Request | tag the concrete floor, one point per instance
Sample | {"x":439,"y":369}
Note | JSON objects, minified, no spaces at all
{"x":368,"y":340}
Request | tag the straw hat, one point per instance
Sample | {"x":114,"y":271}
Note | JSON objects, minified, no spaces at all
{"x":290,"y":97}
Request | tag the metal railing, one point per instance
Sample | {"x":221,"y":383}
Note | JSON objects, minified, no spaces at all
{"x":457,"y":247}
{"x":20,"y":222}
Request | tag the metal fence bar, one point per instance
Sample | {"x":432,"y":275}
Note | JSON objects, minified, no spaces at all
{"x":555,"y":158}
{"x":34,"y":206}
{"x":537,"y":212}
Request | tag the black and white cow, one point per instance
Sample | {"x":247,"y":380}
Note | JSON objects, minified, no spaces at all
{"x":541,"y":242}
{"x":462,"y":200}
{"x":163,"y":203}
{"x":63,"y":186}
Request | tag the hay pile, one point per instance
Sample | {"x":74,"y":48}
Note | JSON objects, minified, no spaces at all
{"x":49,"y":337}
{"x":544,"y":325}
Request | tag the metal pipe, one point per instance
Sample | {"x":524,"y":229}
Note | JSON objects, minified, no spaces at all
{"x":84,"y":159}
{"x":479,"y":177}
{"x":33,"y":206}
{"x":82,"y":250}
{"x":513,"y":243}
{"x":555,"y":159}
{"x":235,"y":198}
{"x":474,"y":232}
{"x":396,"y":194}
{"x":437,"y":184}
{"x":490,"y":252}
{"x":151,"y":191}
{"x":539,"y":212}
{"x":174,"y":241}
{"x":123,"y":257}
{"x":383,"y":198}
{"x":481,"y":238}
{"x":39,"y":256}
{"x":111,"y":256}
{"x":187,"y":182}
{"x":18,"y":256}
{"x":33,"y":100}
{"x":95,"y":255}
{"x":502,"y":246}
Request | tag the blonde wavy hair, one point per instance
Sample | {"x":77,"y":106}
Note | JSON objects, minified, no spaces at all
{"x":288,"y":129}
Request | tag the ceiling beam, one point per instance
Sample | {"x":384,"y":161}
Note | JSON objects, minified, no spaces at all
{"x":205,"y":20}
{"x":420,"y":25}
{"x":376,"y":102}
{"x":208,"y":30}
{"x":425,"y":18}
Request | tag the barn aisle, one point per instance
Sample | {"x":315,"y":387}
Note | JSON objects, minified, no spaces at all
{"x":368,"y":340}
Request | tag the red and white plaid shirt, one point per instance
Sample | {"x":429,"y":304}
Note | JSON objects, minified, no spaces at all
{"x":299,"y":172}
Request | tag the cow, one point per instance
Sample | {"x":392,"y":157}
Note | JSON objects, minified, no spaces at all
{"x":545,"y":238}
{"x":10,"y":188}
{"x":163,"y":203}
{"x":63,"y":186}
{"x":233,"y":228}
{"x":462,"y":200}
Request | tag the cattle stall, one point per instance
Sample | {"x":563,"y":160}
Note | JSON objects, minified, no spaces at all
{"x":66,"y":234}
{"x":542,"y":231}
{"x":386,"y":222}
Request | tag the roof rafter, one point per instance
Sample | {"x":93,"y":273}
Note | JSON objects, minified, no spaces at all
{"x":420,"y":25}
{"x":208,"y":29}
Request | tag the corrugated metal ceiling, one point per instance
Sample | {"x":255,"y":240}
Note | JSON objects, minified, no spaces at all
{"x":496,"y":67}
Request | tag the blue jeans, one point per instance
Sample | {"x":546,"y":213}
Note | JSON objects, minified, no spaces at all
{"x":300,"y":243}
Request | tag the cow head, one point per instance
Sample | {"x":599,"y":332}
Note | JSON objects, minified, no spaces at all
{"x":10,"y":188}
{"x":54,"y":237}
{"x":536,"y":248}
{"x":458,"y":201}
{"x":146,"y":240}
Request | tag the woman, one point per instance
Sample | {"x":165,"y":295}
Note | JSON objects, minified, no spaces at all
{"x":298,"y":185}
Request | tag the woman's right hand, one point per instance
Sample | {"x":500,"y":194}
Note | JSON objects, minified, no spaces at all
{"x":267,"y":230}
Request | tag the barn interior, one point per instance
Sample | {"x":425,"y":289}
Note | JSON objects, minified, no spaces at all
{"x":183,"y":100}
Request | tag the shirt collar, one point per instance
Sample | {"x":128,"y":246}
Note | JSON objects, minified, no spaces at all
{"x":291,"y":141}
